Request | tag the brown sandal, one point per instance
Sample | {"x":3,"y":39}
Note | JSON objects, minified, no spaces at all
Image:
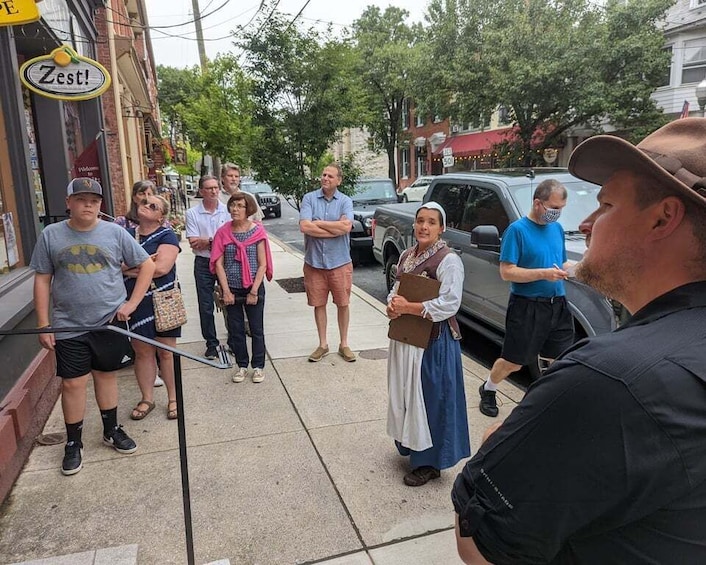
{"x":421,"y":476}
{"x":172,"y":414}
{"x":138,"y":414}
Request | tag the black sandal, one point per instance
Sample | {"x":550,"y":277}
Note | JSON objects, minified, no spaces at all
{"x":421,"y":476}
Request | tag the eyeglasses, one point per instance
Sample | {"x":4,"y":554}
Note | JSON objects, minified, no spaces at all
{"x":238,"y":207}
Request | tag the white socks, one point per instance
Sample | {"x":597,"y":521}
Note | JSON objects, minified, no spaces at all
{"x":490,"y":385}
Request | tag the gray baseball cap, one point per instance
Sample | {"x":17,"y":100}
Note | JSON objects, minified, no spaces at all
{"x":84,"y":184}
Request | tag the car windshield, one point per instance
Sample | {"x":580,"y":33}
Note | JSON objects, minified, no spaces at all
{"x":581,"y":202}
{"x":422,"y":181}
{"x":371,"y":190}
{"x":256,"y":187}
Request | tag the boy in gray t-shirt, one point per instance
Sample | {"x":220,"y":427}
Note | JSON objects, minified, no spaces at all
{"x":78,"y":282}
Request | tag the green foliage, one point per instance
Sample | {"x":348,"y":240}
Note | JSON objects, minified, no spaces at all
{"x":387,"y":59}
{"x":212,"y":111}
{"x":302,"y":95}
{"x":554,"y":65}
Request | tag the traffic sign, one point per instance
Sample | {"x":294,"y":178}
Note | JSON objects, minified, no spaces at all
{"x":447,"y":152}
{"x":448,"y":161}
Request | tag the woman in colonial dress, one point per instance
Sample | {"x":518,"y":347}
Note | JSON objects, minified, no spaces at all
{"x":162,"y":244}
{"x":427,"y":405}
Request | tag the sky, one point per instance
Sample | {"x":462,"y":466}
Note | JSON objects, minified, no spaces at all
{"x":182,"y":51}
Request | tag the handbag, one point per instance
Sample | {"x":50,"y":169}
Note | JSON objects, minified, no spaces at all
{"x":169,"y":309}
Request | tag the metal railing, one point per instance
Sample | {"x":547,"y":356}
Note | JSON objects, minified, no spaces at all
{"x":223,"y":363}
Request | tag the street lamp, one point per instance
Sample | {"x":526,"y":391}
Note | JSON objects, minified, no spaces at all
{"x":701,"y":96}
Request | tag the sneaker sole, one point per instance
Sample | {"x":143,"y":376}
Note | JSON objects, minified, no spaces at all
{"x":116,"y":448}
{"x":255,"y":380}
{"x":238,"y":379}
{"x":69,"y":472}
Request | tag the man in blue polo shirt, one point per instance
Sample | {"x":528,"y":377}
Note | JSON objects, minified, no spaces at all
{"x":326,"y":219}
{"x":538,"y":320}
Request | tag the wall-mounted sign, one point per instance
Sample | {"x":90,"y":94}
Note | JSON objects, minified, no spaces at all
{"x":16,"y":12}
{"x":65,"y":75}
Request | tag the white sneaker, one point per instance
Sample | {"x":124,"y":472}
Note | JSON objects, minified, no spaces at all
{"x":258,"y":376}
{"x":158,"y":381}
{"x":240,"y":374}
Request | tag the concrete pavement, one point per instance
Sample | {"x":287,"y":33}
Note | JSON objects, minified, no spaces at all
{"x":297,"y":469}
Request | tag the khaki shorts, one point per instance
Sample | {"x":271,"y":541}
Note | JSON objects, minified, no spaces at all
{"x":319,"y":282}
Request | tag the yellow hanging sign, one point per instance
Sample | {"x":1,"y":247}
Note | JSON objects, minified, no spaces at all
{"x":65,"y":75}
{"x":16,"y":12}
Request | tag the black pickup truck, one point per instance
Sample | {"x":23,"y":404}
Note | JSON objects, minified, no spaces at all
{"x":479,"y":206}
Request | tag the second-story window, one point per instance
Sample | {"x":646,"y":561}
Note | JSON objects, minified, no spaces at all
{"x":694,"y":64}
{"x":667,"y":77}
{"x":419,"y":118}
{"x":405,"y":114}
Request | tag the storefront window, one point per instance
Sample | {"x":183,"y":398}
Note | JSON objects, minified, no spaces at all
{"x":34,"y":160}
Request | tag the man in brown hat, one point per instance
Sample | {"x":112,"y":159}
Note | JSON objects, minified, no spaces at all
{"x":604,"y":460}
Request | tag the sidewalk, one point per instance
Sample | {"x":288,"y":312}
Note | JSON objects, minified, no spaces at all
{"x":297,"y":469}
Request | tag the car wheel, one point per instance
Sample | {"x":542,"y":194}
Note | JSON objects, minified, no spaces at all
{"x":355,"y":256}
{"x":391,"y":270}
{"x":278,"y":213}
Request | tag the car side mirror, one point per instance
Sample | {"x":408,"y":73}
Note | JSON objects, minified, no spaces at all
{"x":486,"y":238}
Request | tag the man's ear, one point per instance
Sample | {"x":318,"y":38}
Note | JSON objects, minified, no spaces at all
{"x":668,"y":216}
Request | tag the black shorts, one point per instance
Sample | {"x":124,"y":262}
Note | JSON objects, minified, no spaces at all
{"x":104,"y":351}
{"x":536,"y":326}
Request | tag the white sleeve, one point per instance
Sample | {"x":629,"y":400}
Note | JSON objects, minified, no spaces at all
{"x":450,"y":274}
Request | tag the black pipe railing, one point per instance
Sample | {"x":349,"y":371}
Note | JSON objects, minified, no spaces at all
{"x":223,"y":363}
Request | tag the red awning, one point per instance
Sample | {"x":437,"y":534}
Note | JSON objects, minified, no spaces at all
{"x":474,"y":143}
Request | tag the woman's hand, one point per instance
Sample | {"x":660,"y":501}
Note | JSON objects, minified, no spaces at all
{"x":391,"y":312}
{"x":251,"y":299}
{"x":228,"y":297}
{"x":399,"y":304}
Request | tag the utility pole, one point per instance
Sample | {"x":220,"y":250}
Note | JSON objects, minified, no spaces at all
{"x":199,"y":34}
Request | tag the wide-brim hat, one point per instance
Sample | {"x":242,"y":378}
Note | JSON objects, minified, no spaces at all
{"x":674,"y":155}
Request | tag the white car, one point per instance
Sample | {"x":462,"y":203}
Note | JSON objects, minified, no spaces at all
{"x":415,"y":192}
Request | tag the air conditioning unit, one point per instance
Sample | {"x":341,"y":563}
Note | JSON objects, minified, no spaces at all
{"x":455,"y":128}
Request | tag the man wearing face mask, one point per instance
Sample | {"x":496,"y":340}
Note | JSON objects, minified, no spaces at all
{"x":533,"y":259}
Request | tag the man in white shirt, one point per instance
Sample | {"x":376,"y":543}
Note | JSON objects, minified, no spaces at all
{"x":202,"y":221}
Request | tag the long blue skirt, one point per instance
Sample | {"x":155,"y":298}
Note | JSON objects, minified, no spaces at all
{"x":445,"y":400}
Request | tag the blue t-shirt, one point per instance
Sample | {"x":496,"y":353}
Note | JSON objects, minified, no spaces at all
{"x":534,"y":246}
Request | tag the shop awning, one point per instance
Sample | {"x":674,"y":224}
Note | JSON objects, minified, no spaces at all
{"x":474,"y":143}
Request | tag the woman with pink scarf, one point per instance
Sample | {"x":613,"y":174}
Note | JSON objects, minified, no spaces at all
{"x":241,"y":259}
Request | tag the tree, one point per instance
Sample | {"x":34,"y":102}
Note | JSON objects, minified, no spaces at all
{"x":387,"y":59}
{"x":176,"y":87}
{"x":211,"y":110}
{"x":552,"y":65}
{"x":303,"y":95}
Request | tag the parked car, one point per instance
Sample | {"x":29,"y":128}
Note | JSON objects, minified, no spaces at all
{"x":415,"y":192}
{"x":368,"y":195}
{"x":270,"y":202}
{"x":479,"y":207}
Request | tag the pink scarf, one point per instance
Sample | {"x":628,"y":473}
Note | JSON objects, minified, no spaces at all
{"x":224,"y":236}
